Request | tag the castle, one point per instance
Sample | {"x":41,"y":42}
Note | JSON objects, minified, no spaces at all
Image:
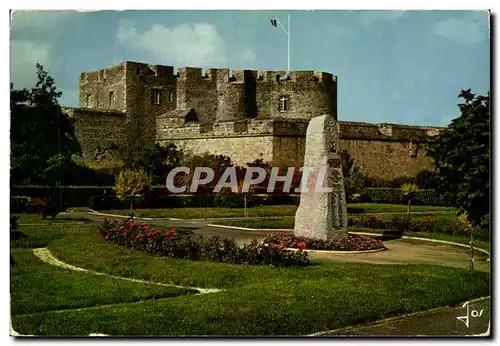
{"x":245,"y":115}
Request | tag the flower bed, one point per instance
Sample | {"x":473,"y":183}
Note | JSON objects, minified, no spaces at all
{"x":186,"y":245}
{"x":350,"y":242}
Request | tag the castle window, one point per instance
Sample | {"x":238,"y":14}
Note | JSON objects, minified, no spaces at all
{"x":111,"y":98}
{"x":170,"y":96}
{"x":138,"y":71}
{"x":87,"y":100}
{"x":156,"y":96}
{"x":283,"y":104}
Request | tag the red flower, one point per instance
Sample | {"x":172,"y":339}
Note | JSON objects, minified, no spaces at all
{"x":146,"y":227}
{"x":106,"y":237}
{"x":37,"y":201}
{"x":115,"y":229}
{"x":301,"y":245}
{"x":167,"y":234}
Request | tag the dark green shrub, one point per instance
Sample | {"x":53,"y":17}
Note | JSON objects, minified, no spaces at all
{"x":483,"y":229}
{"x":73,"y":196}
{"x":380,"y":195}
{"x":394,"y":196}
{"x":368,"y":222}
{"x":401,"y":224}
{"x":19,"y":204}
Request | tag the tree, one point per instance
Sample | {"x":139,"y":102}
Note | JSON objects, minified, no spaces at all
{"x":353,"y":178}
{"x":131,"y":184}
{"x":462,"y":157}
{"x":42,"y":136}
{"x":156,"y":160}
{"x":410,"y":191}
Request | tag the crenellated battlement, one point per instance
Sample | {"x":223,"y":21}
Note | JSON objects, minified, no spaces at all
{"x":195,"y":74}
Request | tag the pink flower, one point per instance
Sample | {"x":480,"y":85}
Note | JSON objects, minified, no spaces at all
{"x":301,"y":245}
{"x":106,"y":237}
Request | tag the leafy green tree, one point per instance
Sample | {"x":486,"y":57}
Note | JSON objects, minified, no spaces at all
{"x":353,"y":178}
{"x":42,"y":136}
{"x":462,"y":157}
{"x":156,"y":160}
{"x":410,"y":191}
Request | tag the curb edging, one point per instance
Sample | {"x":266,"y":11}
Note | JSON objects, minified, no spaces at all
{"x":339,"y":251}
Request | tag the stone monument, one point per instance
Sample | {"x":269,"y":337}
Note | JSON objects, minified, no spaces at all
{"x":322,"y":212}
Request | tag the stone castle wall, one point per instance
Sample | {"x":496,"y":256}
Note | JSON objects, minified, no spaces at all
{"x":384,"y":151}
{"x":99,"y":132}
{"x":235,"y":113}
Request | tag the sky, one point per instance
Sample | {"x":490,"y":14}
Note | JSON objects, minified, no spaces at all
{"x":404,"y":67}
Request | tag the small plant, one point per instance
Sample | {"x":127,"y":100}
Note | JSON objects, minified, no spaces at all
{"x":466,"y":226}
{"x":355,"y":197}
{"x":410,"y":191}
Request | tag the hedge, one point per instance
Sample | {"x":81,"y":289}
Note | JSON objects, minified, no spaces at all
{"x":73,"y":196}
{"x":103,"y":197}
{"x":394,"y":196}
{"x":193,"y":201}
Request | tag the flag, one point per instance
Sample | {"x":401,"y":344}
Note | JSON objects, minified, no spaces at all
{"x":274,"y":22}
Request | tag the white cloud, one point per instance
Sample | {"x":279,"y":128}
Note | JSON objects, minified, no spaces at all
{"x":197,"y":45}
{"x":468,"y":29}
{"x":23,"y":57}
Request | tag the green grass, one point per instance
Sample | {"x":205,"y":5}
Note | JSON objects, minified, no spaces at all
{"x":257,"y":300}
{"x":264,"y":211}
{"x":37,"y":287}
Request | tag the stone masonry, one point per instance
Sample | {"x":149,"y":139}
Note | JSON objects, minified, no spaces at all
{"x":322,"y":212}
{"x":244,"y":114}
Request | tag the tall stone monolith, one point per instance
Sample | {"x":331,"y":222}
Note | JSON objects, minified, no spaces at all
{"x":322,"y":212}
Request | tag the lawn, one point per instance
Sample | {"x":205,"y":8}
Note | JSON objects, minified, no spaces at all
{"x":266,"y":211}
{"x":256,"y":300}
{"x":38,"y":287}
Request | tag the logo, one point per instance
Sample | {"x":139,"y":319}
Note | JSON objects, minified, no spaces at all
{"x":473,"y":314}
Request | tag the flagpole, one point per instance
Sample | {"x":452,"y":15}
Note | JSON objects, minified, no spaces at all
{"x":288,"y":43}
{"x":287,"y":32}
